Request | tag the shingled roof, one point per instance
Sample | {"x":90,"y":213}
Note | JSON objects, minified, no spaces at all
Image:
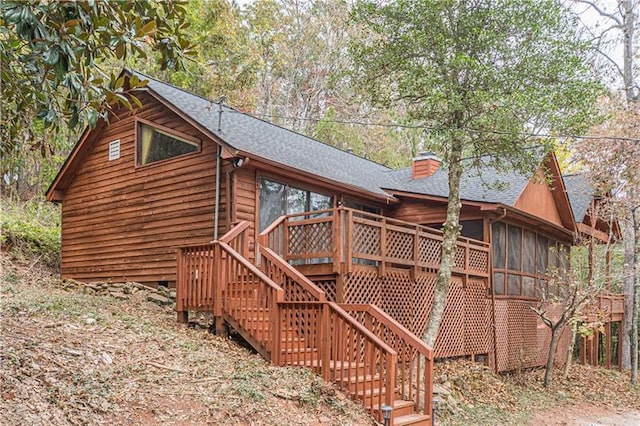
{"x":254,"y":136}
{"x":484,"y":184}
{"x":580,"y":193}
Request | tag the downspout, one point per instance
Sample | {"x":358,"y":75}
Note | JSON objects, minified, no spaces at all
{"x":217,"y":202}
{"x":218,"y":172}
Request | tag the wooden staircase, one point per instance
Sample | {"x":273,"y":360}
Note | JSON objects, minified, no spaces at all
{"x":288,"y":320}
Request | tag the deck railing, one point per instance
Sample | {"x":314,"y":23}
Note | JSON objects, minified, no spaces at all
{"x":286,"y":317}
{"x":347,"y":237}
{"x":415,"y":358}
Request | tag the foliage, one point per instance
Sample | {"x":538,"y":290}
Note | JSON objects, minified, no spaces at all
{"x":31,"y":230}
{"x":224,"y":64}
{"x":480,"y":78}
{"x":53,"y":54}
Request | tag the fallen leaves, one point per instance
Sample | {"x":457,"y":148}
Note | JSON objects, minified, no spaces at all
{"x":70,"y":357}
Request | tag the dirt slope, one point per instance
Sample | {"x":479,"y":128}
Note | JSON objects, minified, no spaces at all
{"x":73,"y":358}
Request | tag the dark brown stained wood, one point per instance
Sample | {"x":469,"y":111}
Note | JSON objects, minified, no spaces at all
{"x":428,"y":212}
{"x":121,"y":221}
{"x":245,"y":202}
{"x":537,"y":199}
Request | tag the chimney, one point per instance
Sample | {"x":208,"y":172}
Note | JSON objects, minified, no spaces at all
{"x":424,"y":165}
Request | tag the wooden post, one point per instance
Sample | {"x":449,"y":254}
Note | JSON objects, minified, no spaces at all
{"x":219,"y":284}
{"x":383,"y":248}
{"x":179,"y":285}
{"x":325,"y":348}
{"x":349,"y":242}
{"x":428,"y":383}
{"x":416,"y":252}
{"x":337,"y":240}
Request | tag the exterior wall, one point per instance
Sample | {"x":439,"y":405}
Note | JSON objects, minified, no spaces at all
{"x":537,"y":199}
{"x":123,"y":222}
{"x":245,"y":197}
{"x":424,"y":212}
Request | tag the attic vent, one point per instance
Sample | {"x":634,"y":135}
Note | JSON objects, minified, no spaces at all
{"x":114,"y":150}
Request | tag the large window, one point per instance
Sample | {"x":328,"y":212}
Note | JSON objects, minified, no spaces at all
{"x":524,"y":260}
{"x":277,"y":199}
{"x":156,"y":144}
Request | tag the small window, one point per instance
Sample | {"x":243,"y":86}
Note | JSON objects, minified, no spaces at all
{"x":157,"y":145}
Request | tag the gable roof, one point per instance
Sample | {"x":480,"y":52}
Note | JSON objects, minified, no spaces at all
{"x":580,"y":192}
{"x":256,"y":137}
{"x":244,"y":134}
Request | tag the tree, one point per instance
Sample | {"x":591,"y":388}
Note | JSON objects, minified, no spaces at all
{"x":618,"y":28}
{"x":481,"y":77}
{"x":53,"y":55}
{"x":613,"y":164}
{"x":567,"y":297}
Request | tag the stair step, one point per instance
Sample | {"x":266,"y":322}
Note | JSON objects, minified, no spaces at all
{"x":359,"y":381}
{"x":302,"y":350}
{"x":412,"y":419}
{"x":400,"y":407}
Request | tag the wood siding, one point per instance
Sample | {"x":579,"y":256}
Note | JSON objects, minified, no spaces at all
{"x":427,"y":212}
{"x":245,"y":201}
{"x":123,"y":222}
{"x":538,"y":200}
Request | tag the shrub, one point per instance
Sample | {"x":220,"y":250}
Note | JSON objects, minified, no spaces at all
{"x":31,"y":230}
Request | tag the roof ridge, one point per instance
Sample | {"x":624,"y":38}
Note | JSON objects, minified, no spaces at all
{"x":179,"y":88}
{"x":237,"y":111}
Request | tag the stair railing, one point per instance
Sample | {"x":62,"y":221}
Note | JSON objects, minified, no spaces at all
{"x":415,"y":358}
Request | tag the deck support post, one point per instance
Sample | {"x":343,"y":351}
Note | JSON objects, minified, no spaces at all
{"x":183,"y":317}
{"x":219,"y":327}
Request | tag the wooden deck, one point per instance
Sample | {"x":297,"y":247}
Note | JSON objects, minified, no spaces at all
{"x":289,"y":320}
{"x":339,"y":240}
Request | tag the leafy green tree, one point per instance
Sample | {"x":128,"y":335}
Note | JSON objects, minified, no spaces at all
{"x":54,"y":55}
{"x":481,"y":77}
{"x":225,"y":63}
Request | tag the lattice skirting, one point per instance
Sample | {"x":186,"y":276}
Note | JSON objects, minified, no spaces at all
{"x":522,"y":339}
{"x":328,"y":286}
{"x":465,"y":326}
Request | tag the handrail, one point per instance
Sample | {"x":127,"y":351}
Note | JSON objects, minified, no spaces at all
{"x":251,"y":267}
{"x":271,"y":227}
{"x":352,"y":321}
{"x":294,"y":274}
{"x":416,"y":377}
{"x":342,"y":234}
{"x":235,"y":231}
{"x":394,"y":325}
{"x":398,"y":222}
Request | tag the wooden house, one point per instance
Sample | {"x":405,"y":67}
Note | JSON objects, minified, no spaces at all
{"x":314,"y":255}
{"x":595,"y":227}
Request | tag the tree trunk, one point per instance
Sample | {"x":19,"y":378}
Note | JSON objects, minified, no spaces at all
{"x":628,"y":288}
{"x":567,"y":365}
{"x":451,"y":231}
{"x":555,"y":335}
{"x":628,"y":53}
{"x":635,"y":242}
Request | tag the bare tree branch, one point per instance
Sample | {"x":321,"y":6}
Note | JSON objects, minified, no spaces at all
{"x":600,"y":11}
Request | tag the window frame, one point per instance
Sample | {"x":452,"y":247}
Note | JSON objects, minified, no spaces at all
{"x":306,"y":188}
{"x":536,"y":276}
{"x":169,"y":132}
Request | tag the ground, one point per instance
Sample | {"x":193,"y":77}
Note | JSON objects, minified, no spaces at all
{"x":70,"y":357}
{"x":590,"y":396}
{"x":74,"y":358}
